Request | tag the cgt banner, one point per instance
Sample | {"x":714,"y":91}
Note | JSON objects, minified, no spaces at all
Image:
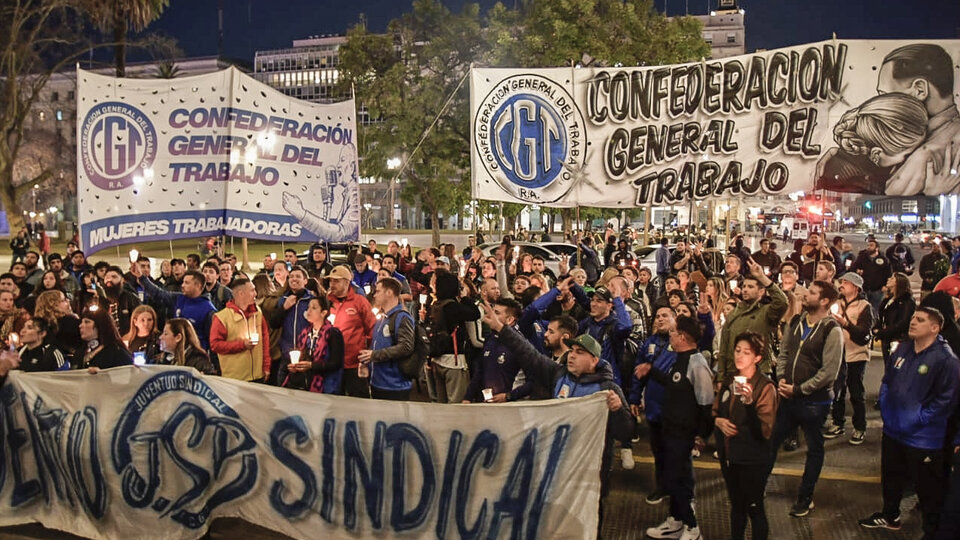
{"x":878,"y":117}
{"x":219,"y":153}
{"x":159,"y":452}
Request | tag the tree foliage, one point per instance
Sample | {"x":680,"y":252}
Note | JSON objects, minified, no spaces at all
{"x":405,"y":77}
{"x":37,"y":39}
{"x":121,"y":16}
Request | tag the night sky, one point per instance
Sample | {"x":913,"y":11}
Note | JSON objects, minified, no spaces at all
{"x":251,"y":25}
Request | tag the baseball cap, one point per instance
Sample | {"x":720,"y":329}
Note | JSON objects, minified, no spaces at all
{"x":603,"y":293}
{"x":854,"y":278}
{"x":341,"y":272}
{"x":444,"y":260}
{"x":587,"y":342}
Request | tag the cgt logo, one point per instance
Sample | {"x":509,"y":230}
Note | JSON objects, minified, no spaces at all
{"x":530,"y":138}
{"x":117,"y":143}
{"x":181,"y":451}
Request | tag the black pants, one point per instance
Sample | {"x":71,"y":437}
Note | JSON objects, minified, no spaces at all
{"x":656,"y":448}
{"x":354,"y":386}
{"x":899,"y":464}
{"x":678,"y":477}
{"x":853,"y":383}
{"x":745,"y":487}
{"x":390,"y":395}
{"x":950,"y":522}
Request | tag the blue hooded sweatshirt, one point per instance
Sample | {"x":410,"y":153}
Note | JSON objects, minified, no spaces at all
{"x":610,"y":339}
{"x":918,"y":394}
{"x":656,"y":350}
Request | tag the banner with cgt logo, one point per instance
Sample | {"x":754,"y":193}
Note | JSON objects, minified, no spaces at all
{"x":876,"y":117}
{"x":212,"y":154}
{"x":159,"y":452}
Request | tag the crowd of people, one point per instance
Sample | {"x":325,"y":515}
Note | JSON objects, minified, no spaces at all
{"x":746,"y":358}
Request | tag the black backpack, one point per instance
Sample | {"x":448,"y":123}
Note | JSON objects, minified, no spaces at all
{"x":436,"y":336}
{"x":411,"y":366}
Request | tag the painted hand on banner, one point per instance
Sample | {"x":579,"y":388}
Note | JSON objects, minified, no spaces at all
{"x":947,"y":179}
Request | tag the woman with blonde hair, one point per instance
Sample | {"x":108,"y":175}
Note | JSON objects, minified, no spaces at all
{"x":63,"y":323}
{"x":715,"y":294}
{"x":143,"y":333}
{"x":180,"y":346}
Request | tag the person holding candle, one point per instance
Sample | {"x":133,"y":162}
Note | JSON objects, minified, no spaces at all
{"x":352,"y":315}
{"x":316,"y":364}
{"x":856,"y":318}
{"x":240,"y":336}
{"x":744,"y":412}
{"x":181,"y":347}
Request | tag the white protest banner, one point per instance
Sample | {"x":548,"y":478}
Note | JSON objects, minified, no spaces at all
{"x":159,"y":452}
{"x":220,"y":153}
{"x":878,"y":117}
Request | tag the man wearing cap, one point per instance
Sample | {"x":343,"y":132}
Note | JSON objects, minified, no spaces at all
{"x":583,"y":374}
{"x":752,"y":315}
{"x":687,"y":403}
{"x":609,"y":324}
{"x":353,"y":316}
{"x":856,"y":318}
{"x":363,"y":276}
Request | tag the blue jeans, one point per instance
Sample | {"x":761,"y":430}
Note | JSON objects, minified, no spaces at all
{"x":808,"y":416}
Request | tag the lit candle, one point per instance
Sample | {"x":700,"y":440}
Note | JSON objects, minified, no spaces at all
{"x":254,"y":338}
{"x":366,"y":288}
{"x":134,"y":255}
{"x":14,"y":339}
{"x":835,"y":309}
{"x":294,"y":357}
{"x":423,"y":299}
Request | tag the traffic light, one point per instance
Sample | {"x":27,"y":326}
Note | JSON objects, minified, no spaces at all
{"x":868,"y":205}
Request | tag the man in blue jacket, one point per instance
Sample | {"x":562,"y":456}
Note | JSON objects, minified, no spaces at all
{"x":918,"y":395}
{"x":191,"y":305}
{"x":583,"y":374}
{"x":393,"y":340}
{"x":493,"y":380}
{"x":656,"y":351}
{"x":609,"y":324}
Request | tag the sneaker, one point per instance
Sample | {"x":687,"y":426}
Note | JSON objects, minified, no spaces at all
{"x":857,"y":438}
{"x":690,"y":533}
{"x":626,"y":459}
{"x":671,"y":528}
{"x":656,"y":497}
{"x":791,"y":445}
{"x":833,"y":432}
{"x":802,"y":507}
{"x":877,"y":521}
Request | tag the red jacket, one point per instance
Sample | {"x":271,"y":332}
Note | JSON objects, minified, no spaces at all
{"x":354,"y":318}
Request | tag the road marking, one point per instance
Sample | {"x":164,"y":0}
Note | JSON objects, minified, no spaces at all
{"x":779,"y":471}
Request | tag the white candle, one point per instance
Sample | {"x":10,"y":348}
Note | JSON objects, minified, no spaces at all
{"x":294,"y":357}
{"x":254,"y":338}
{"x":835,"y":309}
{"x":366,"y":288}
{"x":423,"y":299}
{"x":134,"y":255}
